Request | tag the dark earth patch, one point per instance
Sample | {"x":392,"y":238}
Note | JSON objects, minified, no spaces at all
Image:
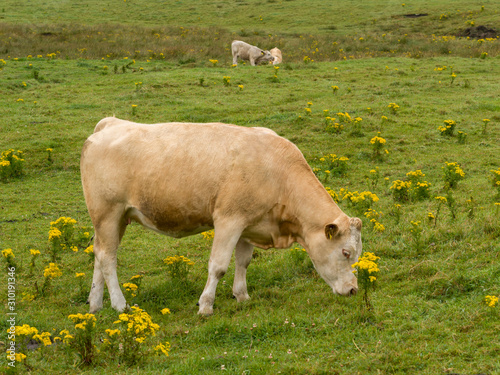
{"x":479,"y":32}
{"x":416,"y":15}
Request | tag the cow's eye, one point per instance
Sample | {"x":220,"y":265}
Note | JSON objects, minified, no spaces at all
{"x":346,"y":253}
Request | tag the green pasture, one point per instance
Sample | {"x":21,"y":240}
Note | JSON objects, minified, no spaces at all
{"x":64,"y":66}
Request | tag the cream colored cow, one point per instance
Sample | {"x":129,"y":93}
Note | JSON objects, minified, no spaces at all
{"x":252,"y":186}
{"x":245,"y":51}
{"x":276,"y":54}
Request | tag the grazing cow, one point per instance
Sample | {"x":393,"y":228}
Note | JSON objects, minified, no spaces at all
{"x":246,"y":51}
{"x":252,"y":186}
{"x":276,"y":53}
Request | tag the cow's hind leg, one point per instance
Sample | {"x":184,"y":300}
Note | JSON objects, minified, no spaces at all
{"x":243,"y":256}
{"x":108,"y":233}
{"x":226,"y":236}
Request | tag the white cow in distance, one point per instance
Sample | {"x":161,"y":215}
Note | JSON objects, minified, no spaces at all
{"x":252,"y":186}
{"x":245,"y":51}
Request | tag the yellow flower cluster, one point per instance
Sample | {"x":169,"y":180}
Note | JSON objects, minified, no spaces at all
{"x":26,"y":330}
{"x":89,"y":250}
{"x":44,"y":338}
{"x":139,"y":323}
{"x":394,"y":107}
{"x":441,"y":199}
{"x":372,"y":214}
{"x":333,"y":194}
{"x":491,"y":301}
{"x":377,"y":226}
{"x":367,"y":265}
{"x":415,"y":174}
{"x":496,"y":178}
{"x":131,"y":287}
{"x":12,"y":154}
{"x":401,"y":185}
{"x":8,"y":253}
{"x":67,"y":337}
{"x":163,"y":348}
{"x":54,"y":233}
{"x":356,"y":197}
{"x":377,"y":140}
{"x":449,"y":127}
{"x":178,"y":259}
{"x":112,"y":332}
{"x":136,"y":277}
{"x":456,"y":167}
{"x":63,"y":221}
{"x":165,"y":311}
{"x":82,"y":320}
{"x":416,"y":228}
{"x":52,"y":271}
{"x":11,"y":163}
{"x":208,"y":235}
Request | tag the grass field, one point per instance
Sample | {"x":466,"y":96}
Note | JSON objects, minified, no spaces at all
{"x":64,"y":66}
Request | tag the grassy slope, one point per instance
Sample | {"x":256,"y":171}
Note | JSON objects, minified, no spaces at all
{"x":429,"y":312}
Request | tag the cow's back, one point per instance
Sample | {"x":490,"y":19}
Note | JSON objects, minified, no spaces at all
{"x":178,"y":174}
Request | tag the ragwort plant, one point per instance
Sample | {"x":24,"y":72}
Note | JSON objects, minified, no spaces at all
{"x":378,"y":144}
{"x":134,"y":328}
{"x":82,"y":341}
{"x":362,"y":202}
{"x":178,"y":266}
{"x":366,"y":269}
{"x":50,"y":272}
{"x":9,"y":256}
{"x":22,"y":335}
{"x":65,"y":234}
{"x":452,"y":173}
{"x":331,"y":165}
{"x":496,"y":181}
{"x":448,"y":129}
{"x":414,"y":188}
{"x":11,"y":164}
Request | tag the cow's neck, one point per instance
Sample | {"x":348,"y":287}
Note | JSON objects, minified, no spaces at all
{"x":312,"y":207}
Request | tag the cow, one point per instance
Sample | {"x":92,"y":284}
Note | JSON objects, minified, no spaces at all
{"x":246,"y":51}
{"x":276,"y":54}
{"x":253,"y":187}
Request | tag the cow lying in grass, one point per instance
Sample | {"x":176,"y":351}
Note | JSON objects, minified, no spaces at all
{"x":252,"y":186}
{"x":277,"y":57}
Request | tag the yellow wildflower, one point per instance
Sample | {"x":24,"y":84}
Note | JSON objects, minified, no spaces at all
{"x":52,"y":271}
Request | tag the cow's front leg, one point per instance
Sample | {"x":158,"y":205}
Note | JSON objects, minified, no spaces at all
{"x":243,"y":256}
{"x":97,"y":289}
{"x":225,"y":239}
{"x":108,"y":233}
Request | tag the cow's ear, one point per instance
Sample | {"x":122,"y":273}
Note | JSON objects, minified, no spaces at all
{"x":356,"y":222}
{"x":262,"y":53}
{"x":331,"y":230}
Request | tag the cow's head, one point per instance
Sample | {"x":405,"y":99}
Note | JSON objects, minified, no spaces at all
{"x":333,"y":252}
{"x":265,"y":56}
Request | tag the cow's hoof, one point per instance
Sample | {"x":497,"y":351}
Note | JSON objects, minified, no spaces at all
{"x":241,"y":297}
{"x":206,"y":311}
